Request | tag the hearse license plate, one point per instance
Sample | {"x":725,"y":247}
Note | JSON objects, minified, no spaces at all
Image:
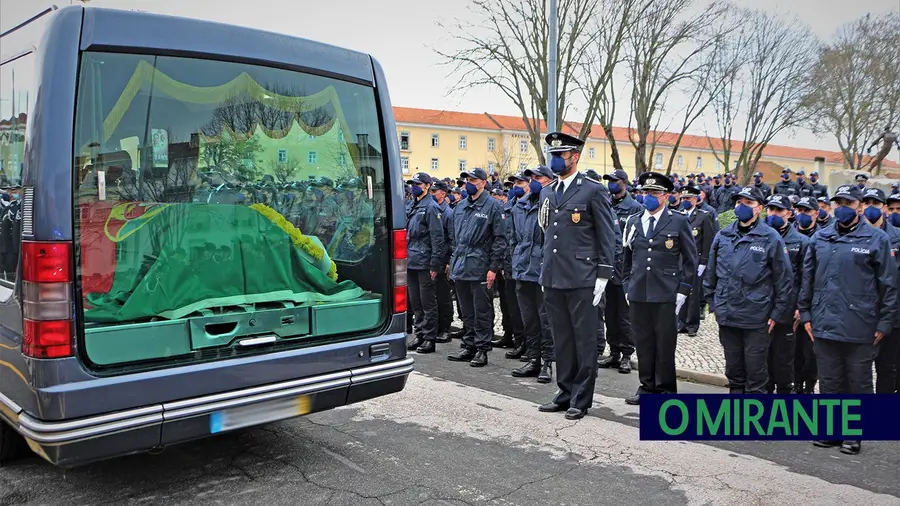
{"x":259,"y":413}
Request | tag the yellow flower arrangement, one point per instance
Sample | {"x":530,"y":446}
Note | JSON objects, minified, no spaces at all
{"x":300,"y":240}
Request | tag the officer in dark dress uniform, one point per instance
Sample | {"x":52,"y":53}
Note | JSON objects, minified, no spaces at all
{"x":818,"y":189}
{"x":895,"y":188}
{"x":703,"y":231}
{"x":783,"y":345}
{"x":427,"y":254}
{"x":848,"y":300}
{"x":579,"y":252}
{"x":601,"y":308}
{"x":748,"y":286}
{"x":861,"y":181}
{"x":660,"y":264}
{"x":440,"y":191}
{"x":618,"y":323}
{"x":478,"y":239}
{"x":786,"y":186}
{"x":806,"y":211}
{"x":886,"y":363}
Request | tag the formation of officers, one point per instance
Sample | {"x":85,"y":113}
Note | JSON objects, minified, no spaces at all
{"x":803,"y":285}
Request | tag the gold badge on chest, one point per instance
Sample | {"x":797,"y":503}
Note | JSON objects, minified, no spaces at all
{"x":670,"y":244}
{"x":696,"y":232}
{"x":576,"y":216}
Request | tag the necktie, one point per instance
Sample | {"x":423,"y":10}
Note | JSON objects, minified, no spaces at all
{"x":560,"y":188}
{"x":650,"y":227}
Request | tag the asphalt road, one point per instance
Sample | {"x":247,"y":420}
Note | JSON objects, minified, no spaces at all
{"x":459,"y":435}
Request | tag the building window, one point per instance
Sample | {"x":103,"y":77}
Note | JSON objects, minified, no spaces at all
{"x":718,"y":164}
{"x":680,"y":161}
{"x":463,"y":142}
{"x":523,"y":146}
{"x":282,"y":155}
{"x":434,"y":164}
{"x":462,"y":165}
{"x":699,"y":163}
{"x":435,"y":140}
{"x":591,"y":153}
{"x":491,"y":144}
{"x":404,"y":141}
{"x":491,"y":166}
{"x":404,"y":164}
{"x":659,"y":161}
{"x":312,"y":157}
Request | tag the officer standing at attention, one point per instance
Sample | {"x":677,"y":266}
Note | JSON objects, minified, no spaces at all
{"x":892,"y":211}
{"x":804,"y":189}
{"x":478,"y":239}
{"x":783,"y":347}
{"x":874,"y":208}
{"x":660,"y":264}
{"x":748,"y":285}
{"x":895,"y":188}
{"x":763,"y":188}
{"x":439,"y":190}
{"x":724,"y":197}
{"x":861,"y":181}
{"x":527,"y":258}
{"x":786,"y":186}
{"x":618,"y":324}
{"x":805,"y":375}
{"x":818,"y":189}
{"x":513,"y":331}
{"x":703,"y":231}
{"x":427,"y":254}
{"x":824,"y":219}
{"x":848,"y":300}
{"x":579,"y":252}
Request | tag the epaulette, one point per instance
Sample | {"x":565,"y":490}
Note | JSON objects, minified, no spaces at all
{"x":593,"y":181}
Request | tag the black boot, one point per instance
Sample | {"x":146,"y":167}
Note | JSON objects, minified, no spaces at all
{"x":784,"y":389}
{"x":463,"y":355}
{"x":546,"y":373}
{"x":611,"y":361}
{"x":851,"y":447}
{"x":529,"y":370}
{"x":810,"y":387}
{"x":480,"y":359}
{"x":427,"y":347}
{"x":516,"y":352}
{"x":415,"y":343}
{"x":504,"y":342}
{"x":458,"y":334}
{"x":625,"y":365}
{"x":443,"y":337}
{"x":798,"y":388}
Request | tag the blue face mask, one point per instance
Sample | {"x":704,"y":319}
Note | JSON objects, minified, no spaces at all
{"x":804,"y":220}
{"x":615,"y":188}
{"x":894,"y":219}
{"x":639,"y":198}
{"x":651,"y":203}
{"x":557,"y":164}
{"x":785,"y":176}
{"x":775,"y":221}
{"x":727,"y":181}
{"x":535,"y":186}
{"x":471,"y":189}
{"x":861,"y":185}
{"x":743,"y":212}
{"x":873,"y":214}
{"x":463,"y":194}
{"x":800,"y":179}
{"x":672,"y":199}
{"x":823,"y":214}
{"x":687,"y":205}
{"x":417,"y":191}
{"x":845,"y":215}
{"x":452,"y":198}
{"x":814,"y":179}
{"x":757,"y":180}
{"x":517,"y":192}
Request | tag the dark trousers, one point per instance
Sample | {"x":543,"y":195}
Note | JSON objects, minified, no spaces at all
{"x":844,"y":368}
{"x":780,"y":363}
{"x":887,"y":364}
{"x":618,"y":324}
{"x":746,"y":356}
{"x":655,"y":338}
{"x":423,"y":300}
{"x":804,"y":357}
{"x":601,"y":325}
{"x":573,"y":319}
{"x":476,"y":303}
{"x":500,"y":290}
{"x":689,"y":316}
{"x":513,"y":310}
{"x":538,"y":341}
{"x":444,"y":302}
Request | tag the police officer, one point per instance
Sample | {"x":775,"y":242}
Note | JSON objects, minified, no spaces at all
{"x":478,"y":239}
{"x":601,"y":308}
{"x":806,"y":212}
{"x":861,"y":181}
{"x":714,"y":192}
{"x":818,"y":189}
{"x":895,"y":188}
{"x":427,"y":254}
{"x":763,"y":188}
{"x":660,"y":264}
{"x":703,"y":230}
{"x":874,"y":209}
{"x":725,"y":195}
{"x":618,"y":324}
{"x":783,"y":346}
{"x":806,"y":222}
{"x":748,"y":286}
{"x":848,"y":300}
{"x":513,"y":331}
{"x":527,"y":258}
{"x":804,"y":189}
{"x":786,"y":186}
{"x":892,"y":215}
{"x":824,"y":218}
{"x":579,"y":253}
{"x":440,"y":192}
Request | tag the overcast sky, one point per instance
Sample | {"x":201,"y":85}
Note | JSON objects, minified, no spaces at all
{"x":402,"y":33}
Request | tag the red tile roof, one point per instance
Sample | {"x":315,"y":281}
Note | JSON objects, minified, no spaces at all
{"x":488,"y":121}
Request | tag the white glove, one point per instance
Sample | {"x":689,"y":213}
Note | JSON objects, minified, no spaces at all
{"x":626,"y":299}
{"x":679,"y":301}
{"x":599,"y":288}
{"x":701,"y":270}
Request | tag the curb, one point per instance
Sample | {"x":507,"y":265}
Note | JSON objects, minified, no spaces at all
{"x":706,"y":378}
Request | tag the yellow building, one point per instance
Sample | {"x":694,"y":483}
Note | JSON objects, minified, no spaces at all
{"x":443,"y":143}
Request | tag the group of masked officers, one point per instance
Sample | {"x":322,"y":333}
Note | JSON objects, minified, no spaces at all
{"x":803,"y":286}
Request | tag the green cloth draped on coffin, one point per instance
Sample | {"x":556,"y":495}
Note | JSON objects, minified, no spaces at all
{"x":189,"y":257}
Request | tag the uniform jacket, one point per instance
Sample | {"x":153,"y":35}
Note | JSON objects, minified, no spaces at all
{"x":849,"y":286}
{"x":748,"y":279}
{"x":724,"y":202}
{"x":662,"y":265}
{"x":446,"y":219}
{"x":818,"y":190}
{"x":478,"y":238}
{"x":528,"y":240}
{"x":804,"y":189}
{"x":712,"y":212}
{"x":893,"y":234}
{"x":579,"y":234}
{"x":425,"y":236}
{"x":796,"y":244}
{"x":765,"y":189}
{"x":510,"y":238}
{"x":786,"y":188}
{"x":703,"y":231}
{"x":624,"y":209}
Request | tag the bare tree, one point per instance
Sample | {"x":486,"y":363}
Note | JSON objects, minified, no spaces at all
{"x":509,"y":52}
{"x":670,"y":44}
{"x":766,"y":66}
{"x":856,"y":86}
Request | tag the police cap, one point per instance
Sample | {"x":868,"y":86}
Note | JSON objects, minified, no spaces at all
{"x":806,"y":203}
{"x":874,"y":194}
{"x":325,"y":181}
{"x":750,"y":192}
{"x":848,"y":192}
{"x":541,"y":170}
{"x":617,"y":175}
{"x":758,"y":174}
{"x":894,"y":197}
{"x":779,"y":202}
{"x":517,"y":177}
{"x":440,"y":185}
{"x":476,"y":173}
{"x":690,"y":191}
{"x":560,"y":142}
{"x":822,"y":199}
{"x":420,"y":178}
{"x":592,"y":174}
{"x":654,"y":181}
{"x":691,"y":175}
{"x":801,"y":172}
{"x":862,"y":177}
{"x":813,"y":173}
